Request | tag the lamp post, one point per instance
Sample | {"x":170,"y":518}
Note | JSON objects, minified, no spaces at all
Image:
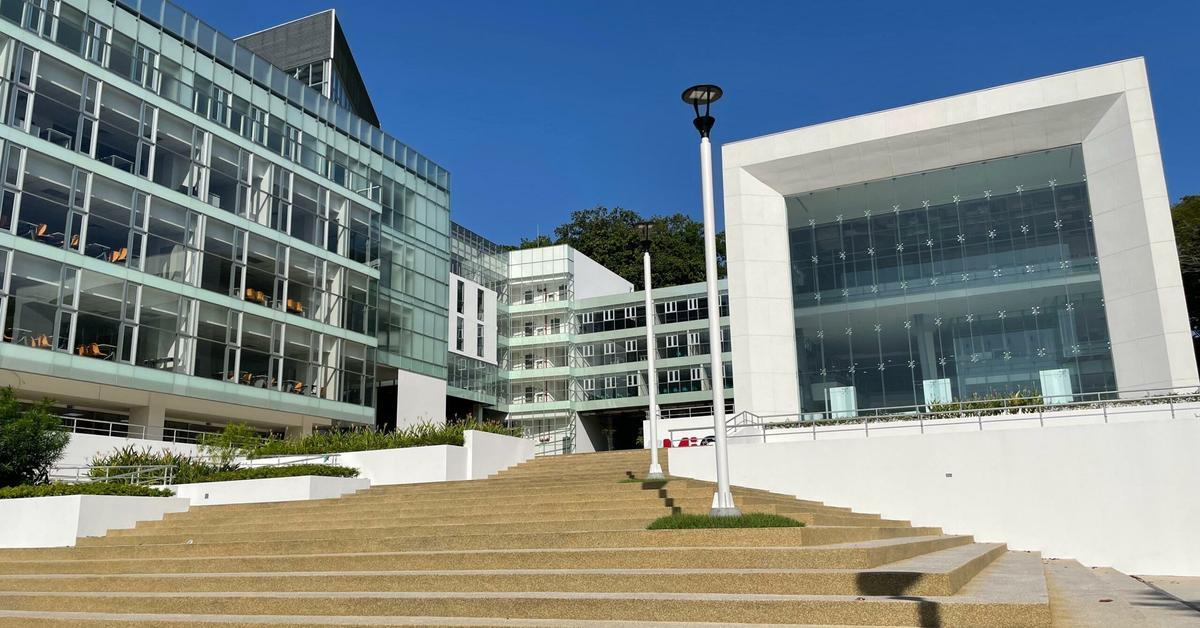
{"x":704,"y":96}
{"x":655,"y":472}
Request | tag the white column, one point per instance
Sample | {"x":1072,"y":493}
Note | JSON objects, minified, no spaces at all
{"x":655,"y":472}
{"x":722,"y":505}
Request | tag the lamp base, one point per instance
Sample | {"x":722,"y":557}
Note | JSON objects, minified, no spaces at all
{"x":725,"y":512}
{"x":655,"y":473}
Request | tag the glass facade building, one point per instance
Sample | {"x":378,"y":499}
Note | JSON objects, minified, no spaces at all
{"x":961,"y":282}
{"x":176,"y":207}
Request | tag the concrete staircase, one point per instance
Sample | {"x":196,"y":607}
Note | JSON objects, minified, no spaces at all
{"x":552,"y":542}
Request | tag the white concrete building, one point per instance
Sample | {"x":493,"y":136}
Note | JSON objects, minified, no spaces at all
{"x":1014,"y":238}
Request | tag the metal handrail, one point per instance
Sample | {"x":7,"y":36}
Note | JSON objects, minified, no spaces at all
{"x":974,"y":411}
{"x":144,"y":475}
{"x":82,"y":425}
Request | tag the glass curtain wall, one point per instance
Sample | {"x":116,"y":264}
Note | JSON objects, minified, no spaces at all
{"x":971,"y":281}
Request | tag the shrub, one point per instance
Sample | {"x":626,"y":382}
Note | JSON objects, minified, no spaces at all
{"x":368,"y":439}
{"x":93,"y":488}
{"x":747,"y":520}
{"x":225,"y":447}
{"x":258,"y":473}
{"x":30,"y":441}
{"x":187,"y":468}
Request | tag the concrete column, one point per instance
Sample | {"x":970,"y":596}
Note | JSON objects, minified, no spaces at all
{"x":151,"y":417}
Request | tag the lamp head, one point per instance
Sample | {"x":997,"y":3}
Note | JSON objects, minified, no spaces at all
{"x":702,"y":96}
{"x":645,"y":229}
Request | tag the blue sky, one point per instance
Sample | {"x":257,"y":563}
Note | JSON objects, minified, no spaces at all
{"x":541,"y":107}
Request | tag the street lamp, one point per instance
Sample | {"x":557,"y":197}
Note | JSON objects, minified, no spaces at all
{"x":704,"y":96}
{"x":655,"y":472}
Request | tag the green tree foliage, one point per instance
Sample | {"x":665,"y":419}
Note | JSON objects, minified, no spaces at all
{"x":610,"y":237}
{"x":1186,"y":216}
{"x":30,"y":441}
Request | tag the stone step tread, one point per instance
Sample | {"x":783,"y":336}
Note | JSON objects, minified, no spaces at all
{"x":747,"y":538}
{"x":900,"y":578}
{"x":858,"y":554}
{"x":173,"y":545}
{"x":950,"y":610}
{"x":61,"y":619}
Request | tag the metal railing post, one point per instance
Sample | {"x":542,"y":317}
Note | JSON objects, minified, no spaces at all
{"x":1171,"y":400}
{"x":1104,"y":411}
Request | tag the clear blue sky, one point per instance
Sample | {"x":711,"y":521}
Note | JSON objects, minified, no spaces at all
{"x":541,"y":107}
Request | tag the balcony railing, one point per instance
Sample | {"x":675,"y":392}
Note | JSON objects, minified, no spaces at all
{"x":1072,"y":409}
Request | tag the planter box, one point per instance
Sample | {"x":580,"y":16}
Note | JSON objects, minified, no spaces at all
{"x":297,"y":488}
{"x":58,"y":521}
{"x":482,"y":454}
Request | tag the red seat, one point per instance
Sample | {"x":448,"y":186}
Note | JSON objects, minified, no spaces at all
{"x":695,"y":441}
{"x":667,"y":443}
{"x":683,"y":442}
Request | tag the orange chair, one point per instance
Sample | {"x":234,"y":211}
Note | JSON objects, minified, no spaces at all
{"x":118,"y":255}
{"x":39,"y":231}
{"x":75,"y":241}
{"x":40,"y":342}
{"x":249,"y":294}
{"x":297,"y":387}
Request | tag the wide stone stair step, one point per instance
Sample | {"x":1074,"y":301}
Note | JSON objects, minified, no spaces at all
{"x":396,"y":540}
{"x":856,"y":555}
{"x":552,"y":542}
{"x":937,"y":573}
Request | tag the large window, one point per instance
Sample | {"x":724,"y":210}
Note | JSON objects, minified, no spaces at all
{"x":980,"y":279}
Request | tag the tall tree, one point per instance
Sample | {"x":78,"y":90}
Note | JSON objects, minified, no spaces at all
{"x":610,"y":237}
{"x":1186,"y":217}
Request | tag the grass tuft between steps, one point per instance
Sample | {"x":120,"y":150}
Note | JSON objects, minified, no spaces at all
{"x":747,"y":520}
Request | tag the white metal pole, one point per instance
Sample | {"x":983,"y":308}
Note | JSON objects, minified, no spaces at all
{"x":722,"y":504}
{"x":655,"y":472}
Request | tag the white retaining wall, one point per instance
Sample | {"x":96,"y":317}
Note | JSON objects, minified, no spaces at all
{"x":268,"y":490}
{"x":1117,"y":494}
{"x":59,"y":521}
{"x":82,"y":447}
{"x":482,"y":454}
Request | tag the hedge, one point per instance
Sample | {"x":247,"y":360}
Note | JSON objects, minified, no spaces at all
{"x":368,"y":439}
{"x":93,"y":488}
{"x":259,"y":473}
{"x":748,"y":520}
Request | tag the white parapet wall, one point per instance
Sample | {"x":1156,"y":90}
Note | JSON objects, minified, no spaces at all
{"x":298,"y":488}
{"x":83,"y":447}
{"x":481,"y":454}
{"x":59,"y":521}
{"x":1118,"y":494}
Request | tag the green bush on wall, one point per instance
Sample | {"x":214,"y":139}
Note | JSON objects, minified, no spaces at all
{"x":259,"y":473}
{"x":94,"y":488}
{"x":367,"y":439}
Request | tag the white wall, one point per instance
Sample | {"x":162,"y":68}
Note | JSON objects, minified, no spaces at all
{"x":595,"y":280}
{"x":489,"y":453}
{"x":435,"y":463}
{"x":269,"y":490}
{"x":481,"y":455}
{"x":419,"y":399}
{"x":471,"y":320}
{"x":59,"y":521}
{"x":1119,"y":495}
{"x":83,"y":447}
